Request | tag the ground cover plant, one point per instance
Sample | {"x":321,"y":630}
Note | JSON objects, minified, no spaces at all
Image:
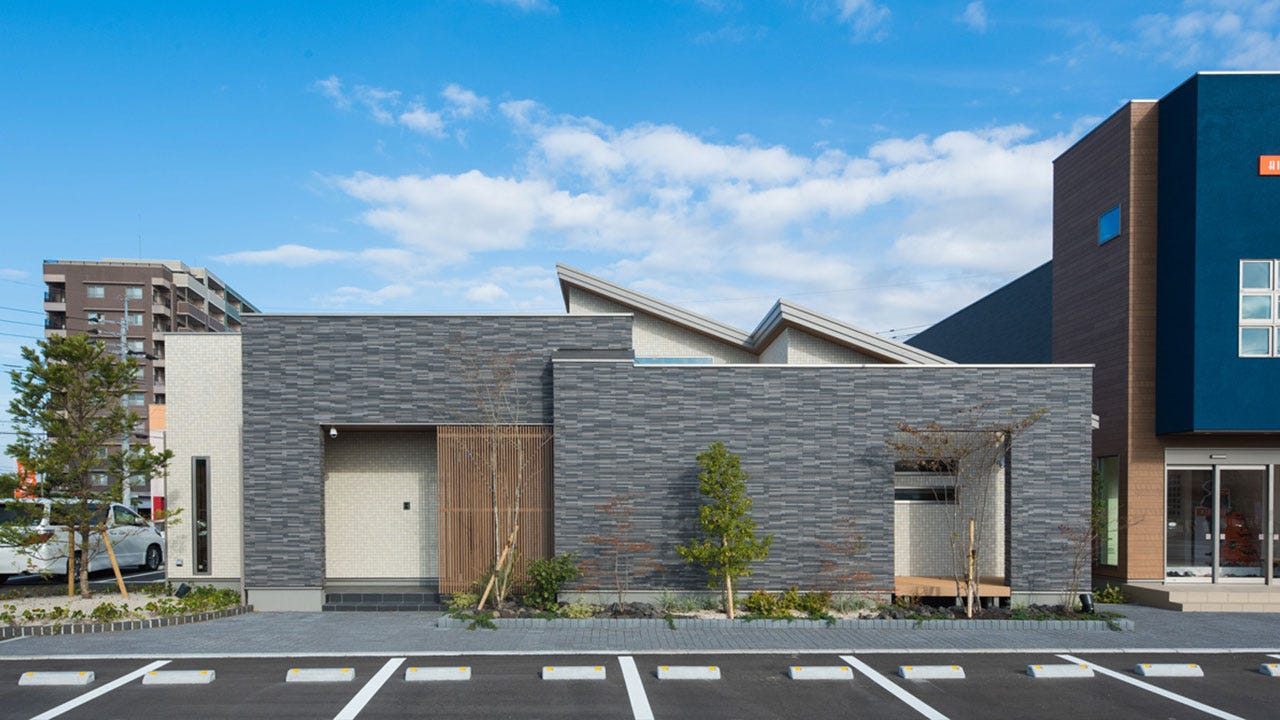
{"x":38,"y":606}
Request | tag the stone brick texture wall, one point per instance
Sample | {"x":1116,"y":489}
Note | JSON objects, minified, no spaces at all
{"x":813,"y":441}
{"x":304,"y":373}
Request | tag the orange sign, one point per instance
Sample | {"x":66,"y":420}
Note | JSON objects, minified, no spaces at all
{"x":1269,"y":164}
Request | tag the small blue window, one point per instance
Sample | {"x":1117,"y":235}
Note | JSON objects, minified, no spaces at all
{"x":1109,"y":225}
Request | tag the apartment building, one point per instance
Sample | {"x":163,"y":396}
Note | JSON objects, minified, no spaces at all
{"x":139,"y":301}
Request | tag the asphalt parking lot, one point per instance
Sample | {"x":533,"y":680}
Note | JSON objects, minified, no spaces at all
{"x":750,"y":686}
{"x":96,"y":578}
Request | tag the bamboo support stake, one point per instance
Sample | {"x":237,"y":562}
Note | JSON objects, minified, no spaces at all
{"x":973,"y":580}
{"x":511,"y":542}
{"x":114,"y":566}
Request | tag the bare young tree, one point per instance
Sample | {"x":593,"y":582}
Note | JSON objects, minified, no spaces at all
{"x":969,"y":454}
{"x":620,"y":546}
{"x":495,"y":388}
{"x":845,"y":548}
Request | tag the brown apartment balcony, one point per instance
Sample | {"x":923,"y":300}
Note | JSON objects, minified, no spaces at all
{"x":196,"y":318}
{"x":55,"y":299}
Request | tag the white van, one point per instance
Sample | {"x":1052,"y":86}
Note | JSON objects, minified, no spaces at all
{"x":136,"y":542}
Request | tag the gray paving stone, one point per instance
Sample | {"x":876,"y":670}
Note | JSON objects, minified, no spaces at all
{"x":416,"y":633}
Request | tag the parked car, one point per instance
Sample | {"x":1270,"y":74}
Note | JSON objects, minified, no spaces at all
{"x":43,"y":545}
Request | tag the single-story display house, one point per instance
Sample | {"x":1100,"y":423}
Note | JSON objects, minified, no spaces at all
{"x":316,"y":452}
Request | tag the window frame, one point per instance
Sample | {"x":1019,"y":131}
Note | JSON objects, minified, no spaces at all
{"x":1109,"y":532}
{"x":201,"y":510}
{"x":1270,"y":324}
{"x":1105,"y":233}
{"x":95,"y":292}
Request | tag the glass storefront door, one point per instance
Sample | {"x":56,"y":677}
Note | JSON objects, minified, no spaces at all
{"x":1220,"y":522}
{"x":1189,"y":527}
{"x":1242,"y":522}
{"x":1275,"y":528}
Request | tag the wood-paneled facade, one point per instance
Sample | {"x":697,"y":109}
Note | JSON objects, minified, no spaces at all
{"x":475,"y":462}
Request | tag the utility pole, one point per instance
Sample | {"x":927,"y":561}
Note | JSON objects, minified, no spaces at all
{"x":126,"y":491}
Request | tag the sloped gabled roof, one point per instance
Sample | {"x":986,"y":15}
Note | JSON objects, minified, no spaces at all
{"x":781,"y":316}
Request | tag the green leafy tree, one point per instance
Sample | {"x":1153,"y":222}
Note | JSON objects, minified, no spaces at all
{"x":67,"y":411}
{"x":728,"y":544}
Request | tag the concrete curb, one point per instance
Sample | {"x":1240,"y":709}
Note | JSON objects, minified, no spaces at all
{"x":16,"y":631}
{"x":450,"y":623}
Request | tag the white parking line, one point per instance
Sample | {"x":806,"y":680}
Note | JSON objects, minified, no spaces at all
{"x":370,"y":689}
{"x":1157,"y":690}
{"x":916,"y":703}
{"x":76,"y":702}
{"x":635,"y":688}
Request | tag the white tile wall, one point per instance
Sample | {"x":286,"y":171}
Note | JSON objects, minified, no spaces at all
{"x":776,"y":352}
{"x":806,"y":349}
{"x":922,"y":532}
{"x":204,"y":420}
{"x":369,"y":475}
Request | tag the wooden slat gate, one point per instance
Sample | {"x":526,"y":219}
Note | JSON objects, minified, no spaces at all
{"x":468,"y":456}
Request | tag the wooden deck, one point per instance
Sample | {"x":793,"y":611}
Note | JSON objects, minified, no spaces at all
{"x":917,"y":586}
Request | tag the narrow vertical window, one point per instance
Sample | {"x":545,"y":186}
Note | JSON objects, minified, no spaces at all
{"x":200,"y":512}
{"x":1106,"y":510}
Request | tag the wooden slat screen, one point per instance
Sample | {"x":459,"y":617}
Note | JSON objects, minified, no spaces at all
{"x":466,"y":454}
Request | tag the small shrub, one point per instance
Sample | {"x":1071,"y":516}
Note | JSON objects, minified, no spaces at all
{"x":1108,"y":594}
{"x":547,"y":577}
{"x":761,"y":603}
{"x":107,"y":611}
{"x":579,"y":611}
{"x":814,"y":604}
{"x":463,"y":601}
{"x":850,"y":603}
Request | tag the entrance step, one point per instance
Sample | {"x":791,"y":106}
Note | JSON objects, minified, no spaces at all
{"x":350,"y":601}
{"x":1206,"y":597}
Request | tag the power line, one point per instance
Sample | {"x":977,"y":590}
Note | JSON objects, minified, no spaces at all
{"x":22,"y":310}
{"x":19,"y":322}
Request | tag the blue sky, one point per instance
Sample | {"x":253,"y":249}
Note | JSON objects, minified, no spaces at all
{"x":881,"y":161}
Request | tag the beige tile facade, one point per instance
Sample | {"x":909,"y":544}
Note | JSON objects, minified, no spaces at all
{"x":370,"y":476}
{"x":654,"y":338}
{"x":806,"y":349}
{"x":922,"y":531}
{"x":204,"y":420}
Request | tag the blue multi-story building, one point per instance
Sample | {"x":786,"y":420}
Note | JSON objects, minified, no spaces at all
{"x":1166,"y":276}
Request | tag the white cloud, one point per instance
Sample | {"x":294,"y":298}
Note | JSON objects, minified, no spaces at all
{"x":12,"y":274}
{"x":672,"y":209}
{"x":487,"y":293}
{"x":975,"y":16}
{"x":419,"y":119}
{"x":288,"y":255}
{"x":1227,"y":34}
{"x":867,"y":19}
{"x":348,"y":295}
{"x":526,"y":5}
{"x":463,"y":102}
{"x":388,"y":107}
{"x":331,"y":87}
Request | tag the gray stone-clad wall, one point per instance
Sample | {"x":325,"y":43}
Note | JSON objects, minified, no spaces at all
{"x":813,"y":441}
{"x":305,"y":372}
